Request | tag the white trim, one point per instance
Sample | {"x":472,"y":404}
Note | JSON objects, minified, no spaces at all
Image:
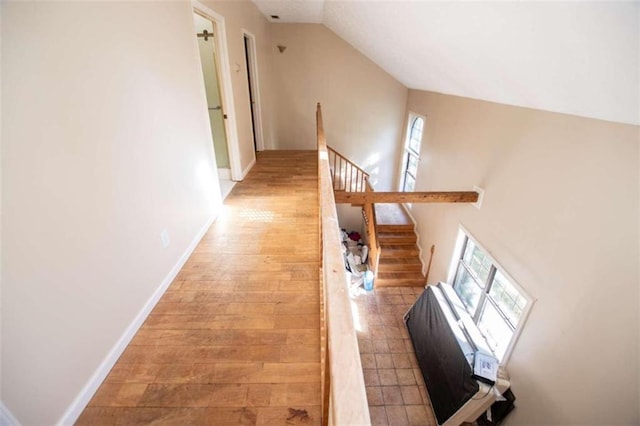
{"x":226,"y":87}
{"x":480,"y":192}
{"x":6,"y":416}
{"x":224,"y":173}
{"x":415,"y":231}
{"x":246,"y":171}
{"x":457,"y":249}
{"x":255,"y":82}
{"x":82,"y":399}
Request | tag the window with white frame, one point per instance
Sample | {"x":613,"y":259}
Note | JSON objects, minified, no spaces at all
{"x":412,"y":153}
{"x":497,"y":304}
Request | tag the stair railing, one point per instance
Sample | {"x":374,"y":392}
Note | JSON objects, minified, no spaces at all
{"x":344,"y":399}
{"x":369,"y":215}
{"x":345,"y":174}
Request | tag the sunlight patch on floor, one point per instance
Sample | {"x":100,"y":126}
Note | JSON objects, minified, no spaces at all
{"x":253,"y":215}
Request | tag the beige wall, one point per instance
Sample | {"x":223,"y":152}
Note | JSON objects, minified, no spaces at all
{"x":560,"y":214}
{"x":239,"y":16}
{"x":350,"y":218}
{"x":362,"y":105}
{"x":105,"y":144}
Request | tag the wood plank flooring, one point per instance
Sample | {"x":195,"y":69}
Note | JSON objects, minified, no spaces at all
{"x":235,"y":339}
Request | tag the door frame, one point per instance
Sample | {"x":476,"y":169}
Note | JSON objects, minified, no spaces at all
{"x":254,"y":81}
{"x":226,"y":89}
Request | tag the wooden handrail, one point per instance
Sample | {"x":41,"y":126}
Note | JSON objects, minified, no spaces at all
{"x":345,"y":174}
{"x":344,"y":400}
{"x":406,"y":197}
{"x":369,"y":215}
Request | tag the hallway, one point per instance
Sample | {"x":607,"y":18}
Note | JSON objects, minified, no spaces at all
{"x":235,"y":339}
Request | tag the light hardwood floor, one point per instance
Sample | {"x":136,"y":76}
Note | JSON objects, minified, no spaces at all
{"x":235,"y":339}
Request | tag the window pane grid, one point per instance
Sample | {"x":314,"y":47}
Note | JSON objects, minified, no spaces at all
{"x":478,"y":262}
{"x":412,"y":149}
{"x":494,"y":302}
{"x":496,"y":330}
{"x":412,"y":164}
{"x":467,"y":288}
{"x":507,"y":299}
{"x":409,"y":183}
{"x":500,"y":312}
{"x":415,"y":137}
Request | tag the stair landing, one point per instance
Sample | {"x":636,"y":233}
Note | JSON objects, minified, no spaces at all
{"x":392,"y":214}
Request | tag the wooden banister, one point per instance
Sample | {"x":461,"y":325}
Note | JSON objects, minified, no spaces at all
{"x":348,"y":178}
{"x":406,"y":197}
{"x":345,"y":174}
{"x":344,"y":400}
{"x":369,"y":214}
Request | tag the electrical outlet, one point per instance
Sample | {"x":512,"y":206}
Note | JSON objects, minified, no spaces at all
{"x":164,"y":236}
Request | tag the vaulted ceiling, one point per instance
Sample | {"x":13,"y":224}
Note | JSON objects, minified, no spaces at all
{"x":580,"y":58}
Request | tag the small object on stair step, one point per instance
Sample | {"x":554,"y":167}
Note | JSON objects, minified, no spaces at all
{"x":368,"y":280}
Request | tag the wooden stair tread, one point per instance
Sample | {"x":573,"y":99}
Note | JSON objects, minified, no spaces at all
{"x":397,"y":234}
{"x":391,"y":260}
{"x":395,"y":228}
{"x":399,"y":283}
{"x":391,"y":267}
{"x":399,"y":262}
{"x":395,"y":249}
{"x":398,"y":243}
{"x":400,"y":274}
{"x":397,"y":237}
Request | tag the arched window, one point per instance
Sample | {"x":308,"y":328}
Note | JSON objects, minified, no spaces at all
{"x":412,"y":153}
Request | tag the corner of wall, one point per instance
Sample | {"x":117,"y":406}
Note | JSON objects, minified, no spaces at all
{"x":245,"y":172}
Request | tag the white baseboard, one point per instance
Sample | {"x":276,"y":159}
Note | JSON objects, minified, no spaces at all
{"x":6,"y":416}
{"x":415,"y":229}
{"x":80,"y":402}
{"x":246,"y":171}
{"x":224,"y":173}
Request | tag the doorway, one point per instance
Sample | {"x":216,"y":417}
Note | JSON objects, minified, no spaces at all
{"x":411,"y":154}
{"x":254,"y":93}
{"x":205,"y":31}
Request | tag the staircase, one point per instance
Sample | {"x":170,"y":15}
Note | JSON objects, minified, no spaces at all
{"x":399,"y":264}
{"x":394,"y":255}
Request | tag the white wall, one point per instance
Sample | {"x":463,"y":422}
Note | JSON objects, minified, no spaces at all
{"x":362,"y":105}
{"x":239,"y":16}
{"x":106,"y":142}
{"x":560,"y":214}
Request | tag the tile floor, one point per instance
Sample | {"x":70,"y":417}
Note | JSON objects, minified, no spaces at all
{"x":395,"y":387}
